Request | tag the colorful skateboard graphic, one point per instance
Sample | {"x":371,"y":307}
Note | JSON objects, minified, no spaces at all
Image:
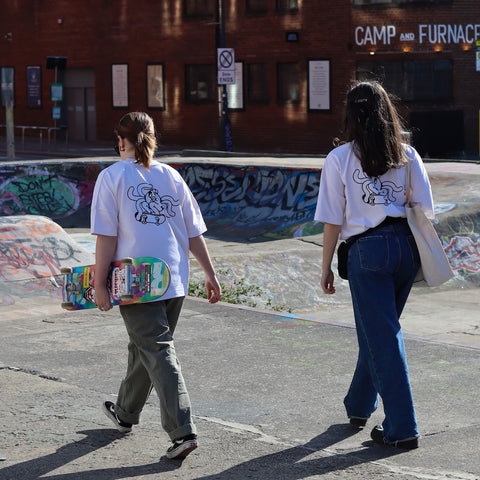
{"x":131,"y":280}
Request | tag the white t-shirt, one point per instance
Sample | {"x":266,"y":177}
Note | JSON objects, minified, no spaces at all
{"x":350,"y":198}
{"x":152,"y":212}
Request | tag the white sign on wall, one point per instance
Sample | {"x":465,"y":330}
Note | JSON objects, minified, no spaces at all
{"x":226,"y":66}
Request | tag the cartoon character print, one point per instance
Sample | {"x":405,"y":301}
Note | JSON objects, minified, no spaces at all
{"x":151,"y":206}
{"x":376,"y":192}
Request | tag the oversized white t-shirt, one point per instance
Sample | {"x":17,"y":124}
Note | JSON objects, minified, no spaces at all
{"x":152,"y":212}
{"x":348,"y":197}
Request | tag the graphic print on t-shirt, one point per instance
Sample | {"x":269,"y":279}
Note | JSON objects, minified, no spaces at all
{"x":376,"y":192}
{"x":151,"y":206}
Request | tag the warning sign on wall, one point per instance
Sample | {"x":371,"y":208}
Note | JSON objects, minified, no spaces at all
{"x":226,"y":66}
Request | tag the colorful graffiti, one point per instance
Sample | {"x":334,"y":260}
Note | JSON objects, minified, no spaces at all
{"x":56,"y":190}
{"x":35,"y":247}
{"x":461,"y":239}
{"x":261,"y":200}
{"x":464,"y":254}
{"x":238,"y":203}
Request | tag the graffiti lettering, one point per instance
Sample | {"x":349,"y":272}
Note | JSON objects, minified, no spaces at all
{"x":56,"y":190}
{"x":464,"y":254}
{"x":253,"y":196}
{"x":34,"y":247}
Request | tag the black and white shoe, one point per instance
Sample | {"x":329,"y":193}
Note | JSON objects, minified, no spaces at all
{"x":182,"y":447}
{"x":108,"y":409}
{"x":408,"y":443}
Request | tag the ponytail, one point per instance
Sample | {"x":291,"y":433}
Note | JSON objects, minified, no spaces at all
{"x":138,"y":129}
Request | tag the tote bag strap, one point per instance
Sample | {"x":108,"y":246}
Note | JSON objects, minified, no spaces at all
{"x":408,"y":188}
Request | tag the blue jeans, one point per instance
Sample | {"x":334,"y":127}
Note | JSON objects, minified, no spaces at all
{"x":381,"y":269}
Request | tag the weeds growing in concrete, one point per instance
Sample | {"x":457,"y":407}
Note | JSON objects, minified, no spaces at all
{"x":236,"y":291}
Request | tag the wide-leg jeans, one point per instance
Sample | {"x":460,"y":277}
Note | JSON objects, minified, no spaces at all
{"x":381,"y":269}
{"x":152,"y":363}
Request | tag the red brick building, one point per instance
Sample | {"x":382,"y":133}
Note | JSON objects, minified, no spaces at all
{"x":294,"y":61}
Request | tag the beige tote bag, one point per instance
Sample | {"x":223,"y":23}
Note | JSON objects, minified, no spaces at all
{"x":435,"y":268}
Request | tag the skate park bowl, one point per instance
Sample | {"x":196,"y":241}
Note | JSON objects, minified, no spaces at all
{"x":261,"y":209}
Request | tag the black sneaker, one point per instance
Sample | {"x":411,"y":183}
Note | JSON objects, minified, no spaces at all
{"x":407,"y":444}
{"x":109,"y":410}
{"x":358,"y":422}
{"x":182,"y":447}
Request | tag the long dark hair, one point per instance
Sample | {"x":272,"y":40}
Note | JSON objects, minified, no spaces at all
{"x":138,"y":129}
{"x":374,"y":126}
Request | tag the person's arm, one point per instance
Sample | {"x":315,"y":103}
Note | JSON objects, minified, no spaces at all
{"x":198,"y":247}
{"x":330,"y":239}
{"x":104,"y":252}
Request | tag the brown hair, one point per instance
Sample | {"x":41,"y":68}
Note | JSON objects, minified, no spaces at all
{"x":374,"y":126}
{"x":138,"y":129}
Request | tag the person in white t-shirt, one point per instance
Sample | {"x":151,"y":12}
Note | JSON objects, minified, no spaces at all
{"x":141,"y":207}
{"x":362,"y":200}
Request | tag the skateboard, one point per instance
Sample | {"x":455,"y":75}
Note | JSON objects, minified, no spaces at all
{"x":131,"y":280}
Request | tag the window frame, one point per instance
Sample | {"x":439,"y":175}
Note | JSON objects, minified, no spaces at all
{"x":406,"y":76}
{"x":280,"y":100}
{"x":261,"y":100}
{"x":197,"y":14}
{"x":249,"y":10}
{"x":282,"y":8}
{"x":211,"y":89}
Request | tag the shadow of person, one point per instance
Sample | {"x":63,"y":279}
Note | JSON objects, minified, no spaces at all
{"x":292,"y":463}
{"x":37,"y":468}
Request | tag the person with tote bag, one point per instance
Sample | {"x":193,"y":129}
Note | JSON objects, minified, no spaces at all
{"x":362,"y":199}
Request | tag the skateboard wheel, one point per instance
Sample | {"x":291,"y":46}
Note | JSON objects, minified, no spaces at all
{"x":127,"y":298}
{"x":66,"y":270}
{"x":67,"y":305}
{"x":127,"y":261}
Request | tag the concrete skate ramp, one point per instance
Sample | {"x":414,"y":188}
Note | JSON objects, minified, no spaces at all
{"x":32,"y":251}
{"x":246,"y":200}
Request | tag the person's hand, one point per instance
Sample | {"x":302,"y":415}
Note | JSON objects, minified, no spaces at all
{"x":327,"y":281}
{"x":102,"y":298}
{"x":214,"y":291}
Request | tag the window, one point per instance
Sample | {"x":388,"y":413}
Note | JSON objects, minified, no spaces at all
{"x":199,"y":8}
{"x":200,"y":83}
{"x":396,"y":3}
{"x":256,"y":6}
{"x":413,"y":80}
{"x":286,"y":6}
{"x":288,"y":83}
{"x":257,"y":83}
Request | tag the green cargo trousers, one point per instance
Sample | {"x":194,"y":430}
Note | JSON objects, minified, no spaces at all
{"x":152,"y":363}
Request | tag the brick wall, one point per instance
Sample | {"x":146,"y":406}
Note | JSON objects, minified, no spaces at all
{"x":96,"y":34}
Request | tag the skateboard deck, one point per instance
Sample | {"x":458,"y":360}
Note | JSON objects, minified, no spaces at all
{"x":131,"y":280}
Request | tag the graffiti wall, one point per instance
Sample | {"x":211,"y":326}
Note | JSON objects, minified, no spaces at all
{"x":237,"y":202}
{"x":34,"y":248}
{"x":61,"y":191}
{"x":460,"y":236}
{"x":241,"y":202}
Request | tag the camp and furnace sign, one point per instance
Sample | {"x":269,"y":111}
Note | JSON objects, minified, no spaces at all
{"x":226,"y":66}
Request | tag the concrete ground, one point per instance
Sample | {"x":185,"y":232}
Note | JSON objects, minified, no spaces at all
{"x":266,"y":384}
